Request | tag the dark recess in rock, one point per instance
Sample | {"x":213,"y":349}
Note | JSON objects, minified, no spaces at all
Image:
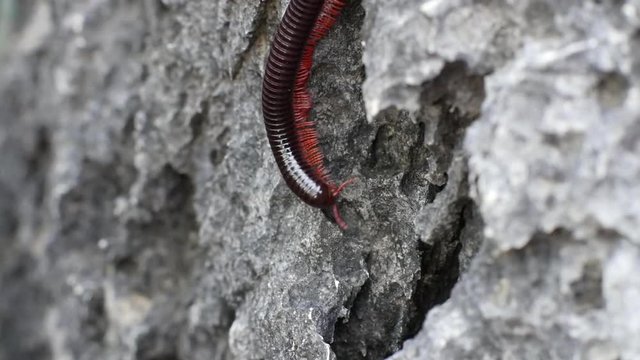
{"x":378,"y":324}
{"x":587,"y":291}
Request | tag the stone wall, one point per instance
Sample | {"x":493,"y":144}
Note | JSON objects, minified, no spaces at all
{"x":496,"y":146}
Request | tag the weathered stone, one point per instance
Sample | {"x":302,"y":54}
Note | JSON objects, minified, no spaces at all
{"x":495,"y":216}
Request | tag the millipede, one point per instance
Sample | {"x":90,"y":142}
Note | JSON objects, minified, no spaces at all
{"x":286,"y":103}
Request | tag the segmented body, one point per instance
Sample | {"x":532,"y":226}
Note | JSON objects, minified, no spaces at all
{"x":286,"y":102}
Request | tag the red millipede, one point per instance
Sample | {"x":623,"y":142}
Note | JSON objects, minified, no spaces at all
{"x":286,"y":102}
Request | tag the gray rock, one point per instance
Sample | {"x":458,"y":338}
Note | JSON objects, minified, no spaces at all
{"x":554,"y":170}
{"x":142,"y":215}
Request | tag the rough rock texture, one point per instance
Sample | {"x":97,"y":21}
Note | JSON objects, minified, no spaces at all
{"x":554,"y":165}
{"x":495,"y":142}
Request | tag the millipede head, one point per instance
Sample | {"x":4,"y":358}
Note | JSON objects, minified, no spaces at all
{"x":334,"y":207}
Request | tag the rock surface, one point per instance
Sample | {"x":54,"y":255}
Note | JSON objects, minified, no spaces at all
{"x":495,"y":217}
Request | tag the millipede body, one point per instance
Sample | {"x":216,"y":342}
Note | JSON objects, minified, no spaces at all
{"x":286,"y":102}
